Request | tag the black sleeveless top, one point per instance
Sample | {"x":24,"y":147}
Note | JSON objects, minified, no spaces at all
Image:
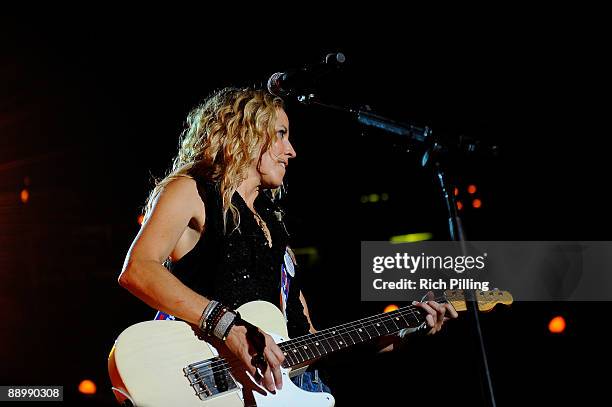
{"x":238,"y":266}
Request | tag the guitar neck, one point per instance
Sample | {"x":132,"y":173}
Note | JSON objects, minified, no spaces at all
{"x":312,"y":346}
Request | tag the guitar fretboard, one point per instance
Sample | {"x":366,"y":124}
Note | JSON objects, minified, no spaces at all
{"x":313,"y":346}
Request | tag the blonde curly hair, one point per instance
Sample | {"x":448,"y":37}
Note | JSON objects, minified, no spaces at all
{"x":223,"y":135}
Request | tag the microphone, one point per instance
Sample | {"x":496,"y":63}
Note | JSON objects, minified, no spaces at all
{"x":296,"y":81}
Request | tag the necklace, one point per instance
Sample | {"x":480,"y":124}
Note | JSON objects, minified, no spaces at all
{"x":264,"y":227}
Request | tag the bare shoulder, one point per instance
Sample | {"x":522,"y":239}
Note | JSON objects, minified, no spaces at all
{"x":176,"y":209}
{"x":181,"y":195}
{"x":182,"y":187}
{"x":183,"y":191}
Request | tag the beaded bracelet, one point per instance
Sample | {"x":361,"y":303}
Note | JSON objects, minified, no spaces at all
{"x":205,"y":314}
{"x":217,"y":320}
{"x":209,"y":316}
{"x":214,"y":318}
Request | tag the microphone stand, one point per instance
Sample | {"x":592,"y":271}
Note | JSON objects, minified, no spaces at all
{"x":434,"y":149}
{"x":457,"y":234}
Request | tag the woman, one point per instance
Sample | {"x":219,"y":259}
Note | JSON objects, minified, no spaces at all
{"x":212,"y":217}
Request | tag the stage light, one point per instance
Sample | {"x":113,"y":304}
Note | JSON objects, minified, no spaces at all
{"x":391,"y":307}
{"x":476,"y":203}
{"x":471,"y":189}
{"x":459,"y":205}
{"x":87,"y":387}
{"x":373,"y":198}
{"x":140,"y":219}
{"x":309,"y":254}
{"x":556,"y":325}
{"x":412,"y":237}
{"x":456,"y":191}
{"x":25,"y":196}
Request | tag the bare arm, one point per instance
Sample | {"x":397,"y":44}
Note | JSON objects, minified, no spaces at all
{"x":307,"y":313}
{"x":143,"y":274}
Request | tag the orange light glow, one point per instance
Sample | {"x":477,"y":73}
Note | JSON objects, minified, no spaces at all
{"x":391,"y":307}
{"x":456,"y":191}
{"x":459,"y":205}
{"x":87,"y":387}
{"x":556,"y":325}
{"x":471,"y":189}
{"x":25,"y":196}
{"x":476,"y":203}
{"x":140,"y":219}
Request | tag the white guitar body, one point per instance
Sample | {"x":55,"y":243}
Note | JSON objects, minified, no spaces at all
{"x":147,"y":363}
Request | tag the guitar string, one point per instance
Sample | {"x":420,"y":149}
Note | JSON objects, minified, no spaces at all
{"x":225,"y":363}
{"x":359,"y":328}
{"x":328,"y":333}
{"x":227,"y":368}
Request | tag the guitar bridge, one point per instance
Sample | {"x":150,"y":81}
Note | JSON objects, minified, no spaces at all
{"x":210,"y":378}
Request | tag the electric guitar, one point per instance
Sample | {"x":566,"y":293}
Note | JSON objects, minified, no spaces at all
{"x":167,"y":363}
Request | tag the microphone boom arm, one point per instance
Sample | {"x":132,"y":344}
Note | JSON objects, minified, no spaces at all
{"x":416,"y":136}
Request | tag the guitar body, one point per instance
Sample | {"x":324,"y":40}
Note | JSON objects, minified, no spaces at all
{"x":165,"y":363}
{"x":147,"y":363}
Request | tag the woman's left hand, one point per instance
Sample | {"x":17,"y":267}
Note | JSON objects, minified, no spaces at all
{"x":437,"y":314}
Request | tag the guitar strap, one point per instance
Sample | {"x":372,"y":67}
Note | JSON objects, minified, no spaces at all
{"x":163,"y":316}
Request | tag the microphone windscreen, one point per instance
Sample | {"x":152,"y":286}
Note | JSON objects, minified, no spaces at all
{"x":335,"y":58}
{"x":274,"y":86}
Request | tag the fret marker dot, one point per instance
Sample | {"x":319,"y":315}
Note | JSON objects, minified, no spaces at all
{"x":305,"y":347}
{"x":285,"y":353}
{"x":333,"y":332}
{"x":294,"y":350}
{"x":317,"y":343}
{"x":377,"y":324}
{"x":340,"y":342}
{"x":396,"y":318}
{"x":360,"y":330}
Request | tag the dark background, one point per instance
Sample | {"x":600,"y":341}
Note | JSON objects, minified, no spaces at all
{"x":91,"y":109}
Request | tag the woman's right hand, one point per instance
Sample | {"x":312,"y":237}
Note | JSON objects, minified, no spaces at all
{"x":240,"y":346}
